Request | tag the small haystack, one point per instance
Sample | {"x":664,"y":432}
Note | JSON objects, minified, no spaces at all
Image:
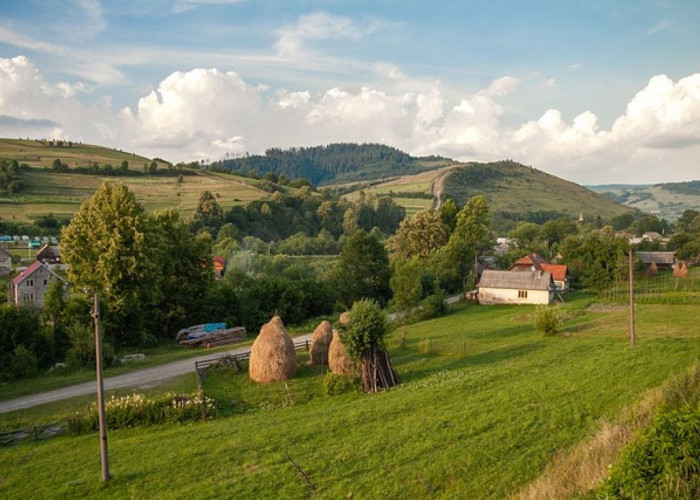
{"x":344,"y":318}
{"x":681,"y":271}
{"x":272,"y":356}
{"x":338,"y":360}
{"x":320,"y":343}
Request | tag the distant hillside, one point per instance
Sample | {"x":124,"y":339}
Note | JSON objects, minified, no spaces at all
{"x":667,"y":200}
{"x":519,"y":193}
{"x":42,"y":153}
{"x":335,"y":163}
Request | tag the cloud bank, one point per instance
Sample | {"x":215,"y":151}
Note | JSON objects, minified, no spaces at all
{"x":206,"y":113}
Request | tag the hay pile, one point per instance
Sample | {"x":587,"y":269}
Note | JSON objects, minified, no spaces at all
{"x":338,"y":360}
{"x":681,"y":271}
{"x":272,"y":356}
{"x":344,"y":318}
{"x":320,"y":343}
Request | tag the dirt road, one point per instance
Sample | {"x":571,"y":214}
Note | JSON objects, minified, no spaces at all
{"x":139,"y":378}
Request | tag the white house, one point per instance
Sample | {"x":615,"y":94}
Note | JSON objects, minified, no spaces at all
{"x":516,"y":287}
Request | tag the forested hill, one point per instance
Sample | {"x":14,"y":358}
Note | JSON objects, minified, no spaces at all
{"x":335,"y":163}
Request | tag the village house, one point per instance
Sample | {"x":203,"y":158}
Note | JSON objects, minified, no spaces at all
{"x":5,"y":261}
{"x":535,"y":262}
{"x":49,"y":255}
{"x":218,"y":267}
{"x":658,"y":260}
{"x":31,"y":285}
{"x":509,"y":287}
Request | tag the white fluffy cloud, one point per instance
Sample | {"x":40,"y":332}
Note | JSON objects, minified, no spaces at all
{"x":206,"y":113}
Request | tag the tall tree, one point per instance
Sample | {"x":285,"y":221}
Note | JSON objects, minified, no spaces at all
{"x":419,"y":235}
{"x":108,"y":247}
{"x":362,"y":270}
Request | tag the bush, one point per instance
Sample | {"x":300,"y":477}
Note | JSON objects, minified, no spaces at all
{"x":433,"y":306}
{"x":340,"y":384}
{"x":24,"y":363}
{"x":137,"y":409}
{"x":664,"y":462}
{"x":548,"y":320}
{"x":81,"y":354}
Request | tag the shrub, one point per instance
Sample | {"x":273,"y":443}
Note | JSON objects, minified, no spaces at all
{"x":339,"y":384}
{"x":24,"y":363}
{"x":137,"y":409}
{"x":81,"y":354}
{"x":433,"y":306}
{"x":548,"y":320}
{"x":664,"y":462}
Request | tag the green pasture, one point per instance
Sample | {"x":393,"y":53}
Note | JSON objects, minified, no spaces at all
{"x":62,"y":193}
{"x":484,"y":404}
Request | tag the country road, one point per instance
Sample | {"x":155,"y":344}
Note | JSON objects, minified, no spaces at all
{"x":137,"y":378}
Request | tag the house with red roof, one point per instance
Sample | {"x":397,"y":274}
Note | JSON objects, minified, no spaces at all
{"x":535,"y":262}
{"x":31,"y":285}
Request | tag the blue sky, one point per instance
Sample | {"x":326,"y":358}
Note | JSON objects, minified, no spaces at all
{"x":594,"y":92}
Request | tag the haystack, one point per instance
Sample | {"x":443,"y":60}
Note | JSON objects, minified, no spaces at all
{"x":681,"y":271}
{"x":272,"y":356}
{"x":320,"y":343}
{"x":344,"y":318}
{"x":338,"y":360}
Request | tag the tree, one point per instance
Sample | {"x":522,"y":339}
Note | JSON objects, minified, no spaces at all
{"x":406,"y":284}
{"x":362,"y":270}
{"x":419,"y":235}
{"x":471,"y":235}
{"x":596,"y":260}
{"x":363,"y":338}
{"x":108,"y":247}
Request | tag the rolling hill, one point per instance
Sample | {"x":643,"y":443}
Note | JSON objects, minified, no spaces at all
{"x":667,"y":200}
{"x":334,"y":163}
{"x":61,"y":193}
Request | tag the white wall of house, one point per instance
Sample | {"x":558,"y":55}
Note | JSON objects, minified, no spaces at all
{"x":490,"y":296}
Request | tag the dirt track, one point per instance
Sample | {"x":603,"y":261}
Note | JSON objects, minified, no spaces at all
{"x":139,"y":378}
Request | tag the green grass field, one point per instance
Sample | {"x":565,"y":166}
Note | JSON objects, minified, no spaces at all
{"x":62,"y":193}
{"x":484,"y":404}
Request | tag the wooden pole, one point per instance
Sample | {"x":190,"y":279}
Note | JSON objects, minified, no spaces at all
{"x":631,"y":271}
{"x":104,"y":458}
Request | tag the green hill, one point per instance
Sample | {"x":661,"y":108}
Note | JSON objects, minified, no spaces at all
{"x":46,"y":190}
{"x":667,"y":200}
{"x":335,"y":163}
{"x":519,"y":193}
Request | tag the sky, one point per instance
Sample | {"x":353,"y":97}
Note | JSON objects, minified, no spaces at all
{"x":596,"y":92}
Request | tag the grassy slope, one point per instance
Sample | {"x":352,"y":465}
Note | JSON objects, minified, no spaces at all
{"x":61,"y":194}
{"x":479,"y":415}
{"x":514,"y":188}
{"x":35,"y":153}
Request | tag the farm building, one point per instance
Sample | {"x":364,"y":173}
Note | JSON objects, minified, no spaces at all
{"x":663,"y":260}
{"x":49,"y":255}
{"x":218,"y":267}
{"x":30,"y":286}
{"x":509,"y":287}
{"x":5,"y":261}
{"x":535,"y":262}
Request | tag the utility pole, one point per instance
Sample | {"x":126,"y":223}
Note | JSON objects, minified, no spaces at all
{"x":104,"y":458}
{"x":631,"y":272}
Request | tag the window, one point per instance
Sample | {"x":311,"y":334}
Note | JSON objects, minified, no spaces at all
{"x":522,"y":294}
{"x":46,"y":282}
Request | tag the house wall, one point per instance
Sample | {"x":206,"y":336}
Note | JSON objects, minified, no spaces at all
{"x":561,"y":285}
{"x":490,"y":296}
{"x":33,"y":288}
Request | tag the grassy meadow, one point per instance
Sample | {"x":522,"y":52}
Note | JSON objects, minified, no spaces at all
{"x":485,"y":403}
{"x":62,"y":194}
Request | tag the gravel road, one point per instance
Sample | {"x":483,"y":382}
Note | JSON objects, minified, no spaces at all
{"x":138,"y":378}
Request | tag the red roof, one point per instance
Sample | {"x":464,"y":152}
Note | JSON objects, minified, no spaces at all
{"x":533,"y":259}
{"x":26,"y":273}
{"x":558,"y":271}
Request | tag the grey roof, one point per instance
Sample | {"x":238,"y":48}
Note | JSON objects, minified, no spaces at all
{"x":658,"y":257}
{"x":535,"y":280}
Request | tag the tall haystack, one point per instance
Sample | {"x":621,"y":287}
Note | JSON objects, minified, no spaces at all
{"x":320,"y":343}
{"x":681,"y":271}
{"x":272,"y":356}
{"x":338,"y":360}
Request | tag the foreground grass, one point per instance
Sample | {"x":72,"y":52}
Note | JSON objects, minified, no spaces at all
{"x":485,"y":403}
